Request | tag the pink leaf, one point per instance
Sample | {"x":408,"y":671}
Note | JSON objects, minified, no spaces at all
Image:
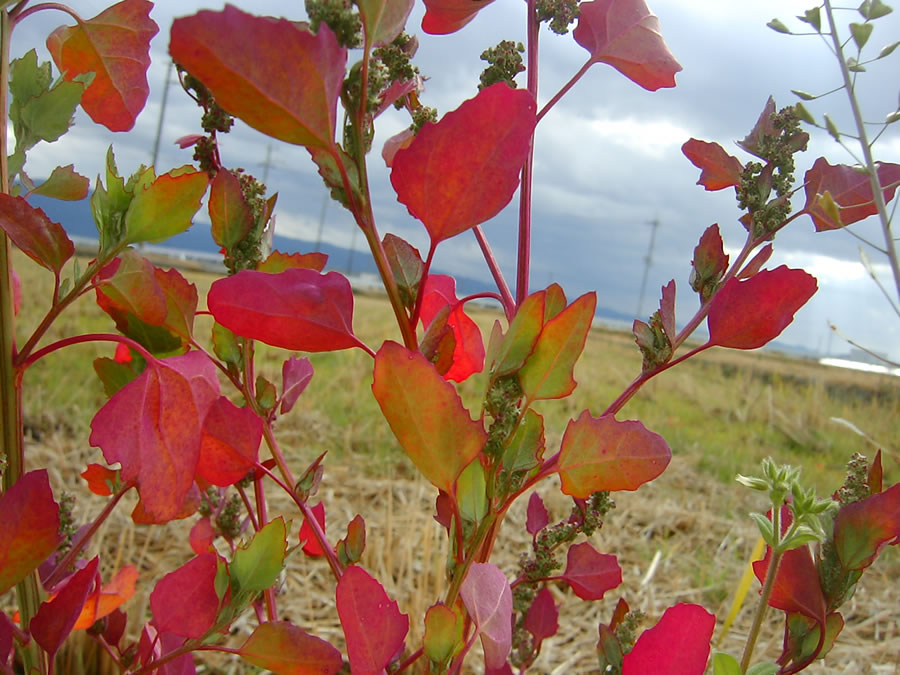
{"x":748,"y":314}
{"x":602,"y":453}
{"x":488,"y":598}
{"x":718,"y":169}
{"x":297,"y":309}
{"x":295,"y":375}
{"x":624,"y":34}
{"x":849,"y":188}
{"x":463,"y":170}
{"x":677,"y":645}
{"x":233,"y":54}
{"x":372,"y":623}
{"x":230,"y":443}
{"x":542,"y":620}
{"x":667,"y":309}
{"x":29,"y":528}
{"x":56,"y":617}
{"x":153,"y":426}
{"x":448,"y":16}
{"x":590,"y":573}
{"x":184,"y":602}
{"x":756,"y":263}
{"x":863,"y":528}
{"x":537,"y":518}
{"x":468,"y":354}
{"x":308,"y":541}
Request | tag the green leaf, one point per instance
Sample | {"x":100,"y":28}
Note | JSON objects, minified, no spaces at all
{"x":109,"y":204}
{"x":526,"y":447}
{"x":832,"y":128}
{"x":725,"y":664}
{"x":225,"y":345}
{"x":114,"y":375}
{"x":547,"y":372}
{"x":443,"y":633}
{"x":778,"y":26}
{"x":129,"y":285}
{"x":41,"y":111}
{"x":813,"y":18}
{"x":861,"y":33}
{"x":256,"y":567}
{"x":806,"y":96}
{"x":874,"y":9}
{"x":766,"y":529}
{"x":888,"y":50}
{"x":64,"y":184}
{"x":804,"y":114}
{"x":229,"y":212}
{"x":767,"y":668}
{"x":855,"y":66}
{"x":407,"y":266}
{"x":165,"y":207}
{"x":426,"y":415}
{"x":383,"y":20}
{"x":520,"y":339}
{"x":471,"y":494}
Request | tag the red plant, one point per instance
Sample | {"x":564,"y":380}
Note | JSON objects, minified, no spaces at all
{"x":185,"y":425}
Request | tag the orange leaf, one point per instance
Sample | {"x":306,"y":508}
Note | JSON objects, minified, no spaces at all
{"x":104,"y":601}
{"x":115,"y":46}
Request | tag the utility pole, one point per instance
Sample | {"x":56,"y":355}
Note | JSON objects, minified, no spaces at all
{"x":162,"y":114}
{"x":648,"y":260}
{"x":267,"y":164}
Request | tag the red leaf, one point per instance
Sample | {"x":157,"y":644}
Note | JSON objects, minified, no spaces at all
{"x":875,"y":477}
{"x":488,"y":598}
{"x":537,"y":518}
{"x":188,"y":508}
{"x":602,"y":453}
{"x":57,"y":616}
{"x":448,"y":16}
{"x":308,"y":541}
{"x":719,"y":170}
{"x":297,"y":309}
{"x":624,"y":34}
{"x":104,"y":601}
{"x":153,"y":427}
{"x":229,"y":213}
{"x":230,"y":443}
{"x":115,"y":46}
{"x":99,"y":478}
{"x":468,"y":354}
{"x":796,"y":586}
{"x":542,"y":620}
{"x":850,"y":189}
{"x":129,"y":287}
{"x":279,"y":262}
{"x":283,"y":648}
{"x":396,"y":143}
{"x":35,"y":234}
{"x":295,"y":375}
{"x":7,"y":629}
{"x":232,"y":53}
{"x":863,"y":528}
{"x":372,"y":623}
{"x":202,"y":536}
{"x":426,"y":415}
{"x":764,"y":127}
{"x":184,"y":602}
{"x":748,"y":314}
{"x":29,"y":528}
{"x":463,"y":170}
{"x":677,"y":645}
{"x":590,"y":573}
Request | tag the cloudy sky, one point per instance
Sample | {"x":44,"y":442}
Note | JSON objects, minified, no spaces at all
{"x":608,"y":157}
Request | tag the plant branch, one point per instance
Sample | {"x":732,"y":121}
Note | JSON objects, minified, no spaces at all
{"x":523,"y":264}
{"x":562,"y":92}
{"x":25,"y":13}
{"x":506,"y":298}
{"x":72,"y":554}
{"x":871,"y":169}
{"x":761,"y":609}
{"x":80,"y":339}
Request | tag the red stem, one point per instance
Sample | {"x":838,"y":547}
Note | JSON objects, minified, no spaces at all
{"x":414,"y":320}
{"x":415,"y":656}
{"x":78,"y":339}
{"x":45,"y":5}
{"x":562,"y":92}
{"x":506,"y":298}
{"x":523,"y":267}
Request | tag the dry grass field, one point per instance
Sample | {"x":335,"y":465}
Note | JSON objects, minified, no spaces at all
{"x":683,"y":538}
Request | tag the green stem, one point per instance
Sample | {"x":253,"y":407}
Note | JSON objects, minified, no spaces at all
{"x":27,"y":591}
{"x":768,"y":584}
{"x":871,"y":169}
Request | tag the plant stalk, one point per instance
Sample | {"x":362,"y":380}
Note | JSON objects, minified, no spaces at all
{"x":871,"y":169}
